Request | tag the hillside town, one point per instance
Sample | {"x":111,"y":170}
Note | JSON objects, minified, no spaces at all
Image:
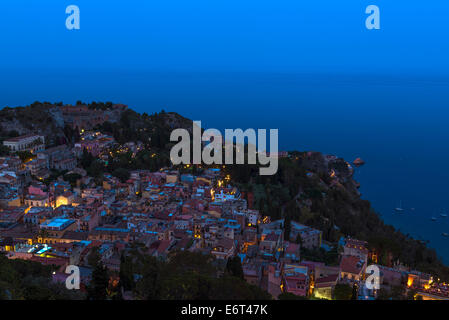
{"x":59,"y":222}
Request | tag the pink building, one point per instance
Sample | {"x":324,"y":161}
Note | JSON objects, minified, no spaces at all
{"x":297,"y":284}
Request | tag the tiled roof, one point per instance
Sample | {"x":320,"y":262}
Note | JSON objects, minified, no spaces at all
{"x":351,"y":264}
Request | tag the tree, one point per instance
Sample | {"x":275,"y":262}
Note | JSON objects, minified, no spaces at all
{"x":234,"y":267}
{"x":98,"y":286}
{"x":290,"y":296}
{"x":126,"y":272}
{"x":287,"y":229}
{"x":4,"y":150}
{"x":121,"y":173}
{"x":342,"y":292}
{"x":149,"y":287}
{"x":394,"y":293}
{"x":72,"y":178}
{"x":25,"y":156}
{"x":22,"y":279}
{"x":94,"y":257}
{"x":13,"y":134}
{"x":96,"y":169}
{"x":86,"y":159}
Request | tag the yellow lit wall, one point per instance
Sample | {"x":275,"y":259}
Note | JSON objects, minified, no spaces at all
{"x":61,"y":201}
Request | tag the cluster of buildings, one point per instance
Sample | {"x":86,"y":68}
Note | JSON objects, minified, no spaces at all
{"x":61,"y":158}
{"x":94,"y":142}
{"x":41,"y":160}
{"x":82,"y":117}
{"x":426,"y":287}
{"x":29,"y":142}
{"x":60,"y":223}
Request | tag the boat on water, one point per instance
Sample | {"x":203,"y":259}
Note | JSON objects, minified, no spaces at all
{"x":358,"y":162}
{"x":443,"y":215}
{"x":399,"y":209}
{"x":433,"y":219}
{"x":445,"y":234}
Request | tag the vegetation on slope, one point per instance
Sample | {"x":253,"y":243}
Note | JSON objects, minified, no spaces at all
{"x":28,"y":280}
{"x":302,"y":191}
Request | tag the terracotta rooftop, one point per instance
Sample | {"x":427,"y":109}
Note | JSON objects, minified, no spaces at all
{"x":351,"y":264}
{"x":17,"y":139}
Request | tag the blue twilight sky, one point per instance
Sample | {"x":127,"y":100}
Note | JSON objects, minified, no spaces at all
{"x":226,"y":35}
